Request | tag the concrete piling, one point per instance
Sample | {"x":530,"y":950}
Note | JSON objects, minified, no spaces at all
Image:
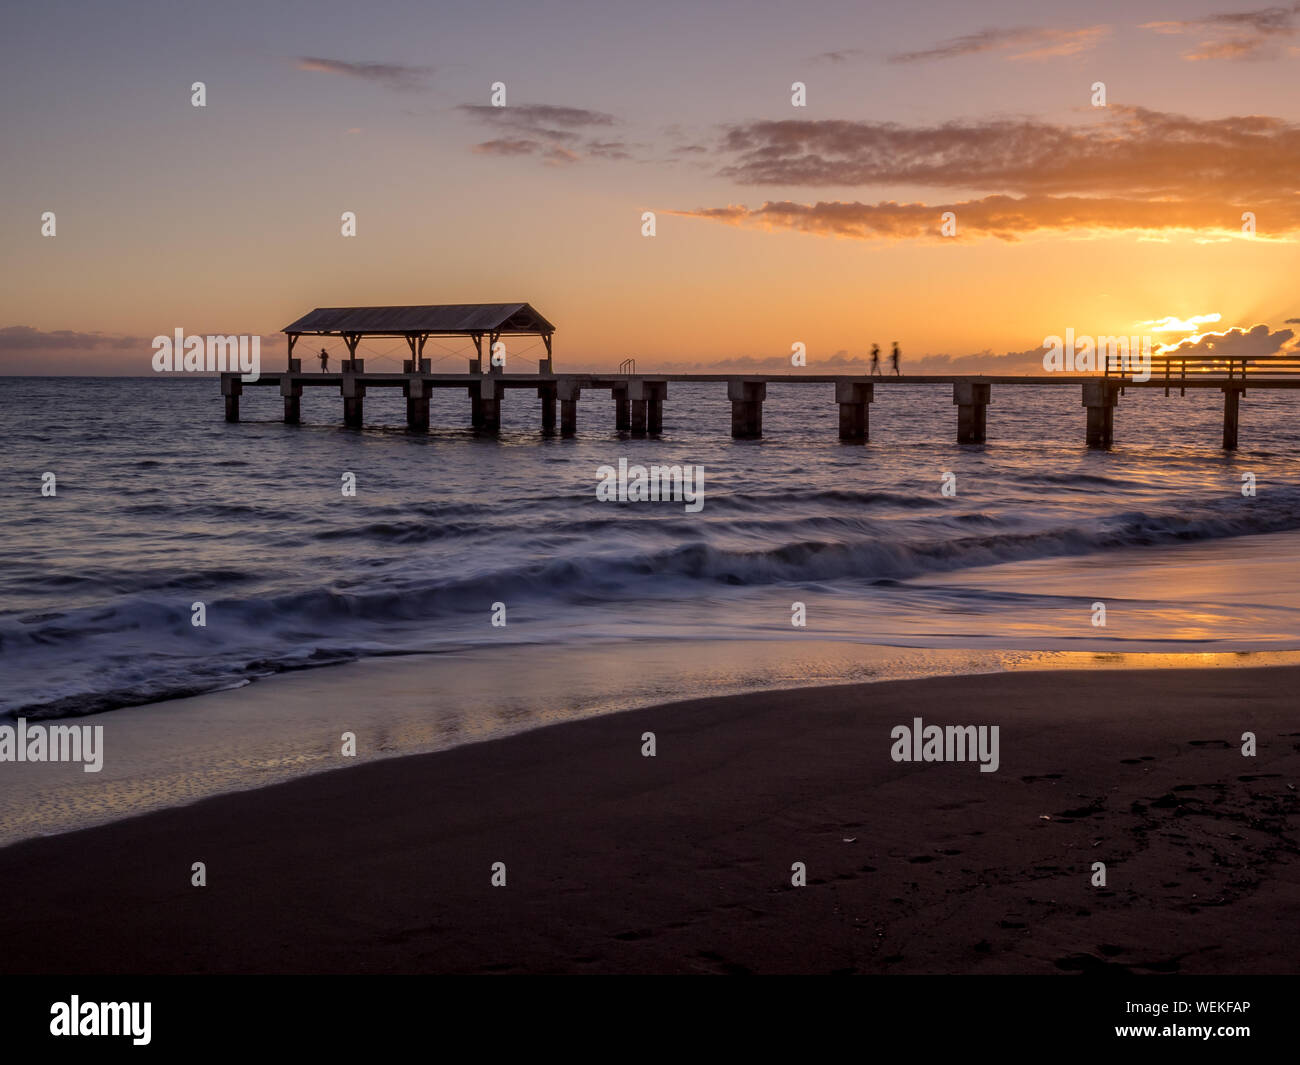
{"x":232,"y":388}
{"x":568,"y":393}
{"x":354,"y":393}
{"x":1231,"y":406}
{"x":547,"y":393}
{"x":417,"y":413}
{"x":1100,"y":397}
{"x":417,"y":395}
{"x":417,"y":405}
{"x":291,"y":390}
{"x":487,"y":405}
{"x":854,"y":399}
{"x":353,"y":408}
{"x":656,"y":393}
{"x":292,"y":393}
{"x":746,"y":408}
{"x":638,"y":397}
{"x":971,"y":399}
{"x":622,"y":413}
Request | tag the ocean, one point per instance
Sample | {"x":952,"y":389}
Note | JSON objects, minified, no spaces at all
{"x":160,"y":504}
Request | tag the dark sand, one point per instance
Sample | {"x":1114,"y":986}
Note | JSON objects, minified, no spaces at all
{"x":681,"y":863}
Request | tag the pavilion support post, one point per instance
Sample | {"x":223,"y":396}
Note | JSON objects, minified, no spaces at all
{"x":972,"y":400}
{"x":547,"y":393}
{"x":1100,"y":397}
{"x":232,"y":388}
{"x":1231,"y":406}
{"x":854,"y":399}
{"x":568,"y":393}
{"x":352,"y":340}
{"x":622,"y":412}
{"x":746,"y":408}
{"x":417,"y":363}
{"x":487,"y":405}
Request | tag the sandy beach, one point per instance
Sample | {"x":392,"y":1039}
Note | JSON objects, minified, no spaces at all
{"x":682,"y":862}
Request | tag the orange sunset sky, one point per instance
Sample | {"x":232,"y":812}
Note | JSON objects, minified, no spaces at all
{"x":775,"y":223}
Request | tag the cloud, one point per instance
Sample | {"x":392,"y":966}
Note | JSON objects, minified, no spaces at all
{"x":1236,"y":35}
{"x":554,"y":134}
{"x":1238,"y":48}
{"x":1129,"y":149}
{"x":561,"y":156}
{"x":1027,"y":42}
{"x":25,"y":338}
{"x":539,"y":118}
{"x":1293,"y":321}
{"x":609,"y":149}
{"x":67,"y":352}
{"x":1253,"y":342}
{"x":1130,"y":169}
{"x":389,"y":75}
{"x":505,"y":146}
{"x":1002,"y":217}
{"x":842,"y":55}
{"x":1173,"y":324}
{"x":1009,"y":363}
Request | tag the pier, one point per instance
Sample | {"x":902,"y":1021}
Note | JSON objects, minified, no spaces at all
{"x":639,"y":399}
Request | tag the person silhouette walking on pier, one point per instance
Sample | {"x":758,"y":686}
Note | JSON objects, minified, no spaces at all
{"x":324,"y":357}
{"x":875,"y":359}
{"x":894,"y":356}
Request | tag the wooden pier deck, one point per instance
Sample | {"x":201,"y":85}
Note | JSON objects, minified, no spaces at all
{"x":639,"y":399}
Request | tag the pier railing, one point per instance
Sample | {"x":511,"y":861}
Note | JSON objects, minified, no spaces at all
{"x":1174,"y":370}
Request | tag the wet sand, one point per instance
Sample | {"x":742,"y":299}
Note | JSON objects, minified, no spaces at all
{"x":616,"y":862}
